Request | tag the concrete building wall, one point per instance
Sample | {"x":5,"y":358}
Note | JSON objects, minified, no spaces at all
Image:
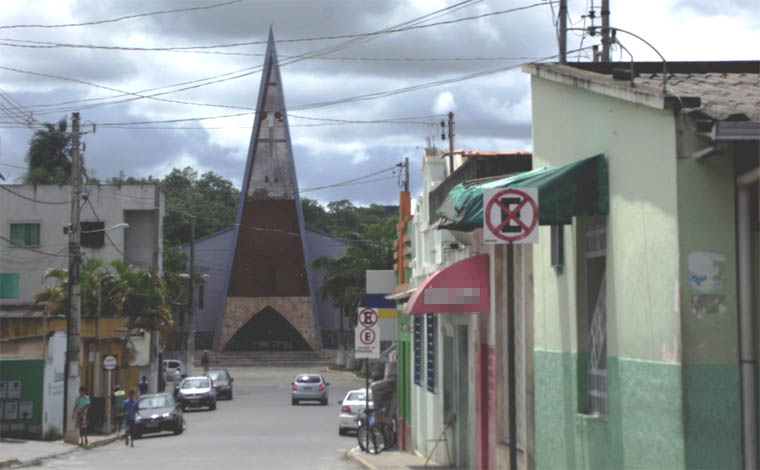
{"x":644,"y":384}
{"x":112,"y":205}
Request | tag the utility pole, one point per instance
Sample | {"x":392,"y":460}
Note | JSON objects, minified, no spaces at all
{"x":451,"y":143}
{"x":605,"y":30}
{"x":562,"y":31}
{"x":74,"y":320}
{"x":406,"y":174}
{"x":190,"y":326}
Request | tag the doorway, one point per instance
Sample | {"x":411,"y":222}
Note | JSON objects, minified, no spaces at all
{"x":462,"y":398}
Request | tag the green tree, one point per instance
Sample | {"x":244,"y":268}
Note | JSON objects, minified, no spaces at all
{"x":92,"y":273}
{"x":345,"y":277}
{"x":140,"y":296}
{"x":210,"y":198}
{"x":49,"y":155}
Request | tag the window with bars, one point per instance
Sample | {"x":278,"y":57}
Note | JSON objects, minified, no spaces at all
{"x":25,"y":234}
{"x":418,"y":350}
{"x":431,"y":333}
{"x":592,"y":315}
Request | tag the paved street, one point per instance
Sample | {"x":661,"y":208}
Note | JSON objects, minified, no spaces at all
{"x":258,"y":429}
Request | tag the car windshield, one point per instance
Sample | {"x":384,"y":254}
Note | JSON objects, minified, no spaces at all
{"x":308,"y":379}
{"x":218,"y":375}
{"x":195,"y":383}
{"x":161,"y":401}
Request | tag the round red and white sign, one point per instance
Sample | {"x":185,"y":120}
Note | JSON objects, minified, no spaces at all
{"x":511,"y":215}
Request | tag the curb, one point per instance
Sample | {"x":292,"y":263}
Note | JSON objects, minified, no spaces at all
{"x":357,"y":455}
{"x":15,"y":463}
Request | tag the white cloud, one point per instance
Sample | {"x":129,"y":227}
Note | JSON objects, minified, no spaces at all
{"x":444,"y":103}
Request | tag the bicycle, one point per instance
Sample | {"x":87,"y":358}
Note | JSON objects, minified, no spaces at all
{"x":381,"y":434}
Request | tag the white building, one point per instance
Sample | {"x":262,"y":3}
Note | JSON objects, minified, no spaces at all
{"x":32,"y":239}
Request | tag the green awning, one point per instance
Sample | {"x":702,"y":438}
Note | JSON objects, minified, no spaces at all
{"x":577,"y":188}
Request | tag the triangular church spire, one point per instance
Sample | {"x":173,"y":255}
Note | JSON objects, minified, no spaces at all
{"x":269,"y":279}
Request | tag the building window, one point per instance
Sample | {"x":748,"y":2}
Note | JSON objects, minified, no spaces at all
{"x":431,"y":337}
{"x":418,"y":350}
{"x":25,"y":234}
{"x":592,"y":314}
{"x":92,"y":234}
{"x":8,"y":286}
{"x":200,"y":296}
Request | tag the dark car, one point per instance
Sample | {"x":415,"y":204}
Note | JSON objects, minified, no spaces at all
{"x":158,"y":412}
{"x":222,"y":382}
{"x":196,"y":392}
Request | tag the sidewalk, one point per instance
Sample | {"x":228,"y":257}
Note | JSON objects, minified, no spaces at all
{"x":392,"y":460}
{"x":22,"y":453}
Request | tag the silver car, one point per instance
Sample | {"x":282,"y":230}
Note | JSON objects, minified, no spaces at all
{"x":309,"y":387}
{"x":196,"y":391}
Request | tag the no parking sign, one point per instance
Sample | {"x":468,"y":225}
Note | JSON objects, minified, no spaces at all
{"x":510,"y":215}
{"x":367,"y":339}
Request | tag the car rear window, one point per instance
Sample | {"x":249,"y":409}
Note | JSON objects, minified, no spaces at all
{"x":308,"y":379}
{"x":356,"y":396}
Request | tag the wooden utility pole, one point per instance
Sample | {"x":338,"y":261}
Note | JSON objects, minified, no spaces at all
{"x":605,"y":30}
{"x":451,"y":143}
{"x":562,"y":31}
{"x":74,"y":319}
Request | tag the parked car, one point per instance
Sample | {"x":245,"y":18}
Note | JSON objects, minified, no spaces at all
{"x":158,"y":412}
{"x":222,"y":381}
{"x":172,"y":367}
{"x":309,"y":387}
{"x":351,"y":407}
{"x":196,"y":392}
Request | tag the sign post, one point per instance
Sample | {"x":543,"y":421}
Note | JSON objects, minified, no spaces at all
{"x":109,"y":364}
{"x":510,"y":216}
{"x":367,"y":346}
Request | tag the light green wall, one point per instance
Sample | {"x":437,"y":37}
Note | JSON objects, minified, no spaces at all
{"x":642,"y":428}
{"x":642,"y":262}
{"x":712,"y":397}
{"x":644,"y":425}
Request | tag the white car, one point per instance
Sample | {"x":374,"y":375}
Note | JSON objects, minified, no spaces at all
{"x":173,"y":369}
{"x":350,"y":408}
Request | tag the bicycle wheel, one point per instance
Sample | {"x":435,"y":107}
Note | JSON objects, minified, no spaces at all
{"x":377,"y":442}
{"x":389,"y":437}
{"x":361,"y":436}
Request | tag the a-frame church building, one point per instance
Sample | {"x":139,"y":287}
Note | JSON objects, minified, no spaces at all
{"x":269,"y":293}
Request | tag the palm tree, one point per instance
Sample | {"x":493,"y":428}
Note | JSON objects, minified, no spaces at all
{"x":138,"y":295}
{"x":92,"y":274}
{"x":141,"y":297}
{"x":49,"y":155}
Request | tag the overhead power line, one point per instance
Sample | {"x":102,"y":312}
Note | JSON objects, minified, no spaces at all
{"x":352,"y":180}
{"x":52,"y":203}
{"x":245,"y":72}
{"x":121,"y":18}
{"x":48,"y":44}
{"x":35,"y":250}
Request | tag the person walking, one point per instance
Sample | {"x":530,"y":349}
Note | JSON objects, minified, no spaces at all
{"x":205,"y":362}
{"x":119,"y":397}
{"x":143,"y":385}
{"x":81,"y":405}
{"x":130,"y":408}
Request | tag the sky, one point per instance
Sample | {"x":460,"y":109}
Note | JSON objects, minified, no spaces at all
{"x":492,"y":111}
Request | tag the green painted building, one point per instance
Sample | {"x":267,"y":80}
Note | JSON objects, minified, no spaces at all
{"x":644,"y":317}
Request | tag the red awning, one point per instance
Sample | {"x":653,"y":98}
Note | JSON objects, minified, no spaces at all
{"x":463,"y":287}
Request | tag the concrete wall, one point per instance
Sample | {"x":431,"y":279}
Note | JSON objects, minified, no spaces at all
{"x":111,"y":203}
{"x":644,"y":386}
